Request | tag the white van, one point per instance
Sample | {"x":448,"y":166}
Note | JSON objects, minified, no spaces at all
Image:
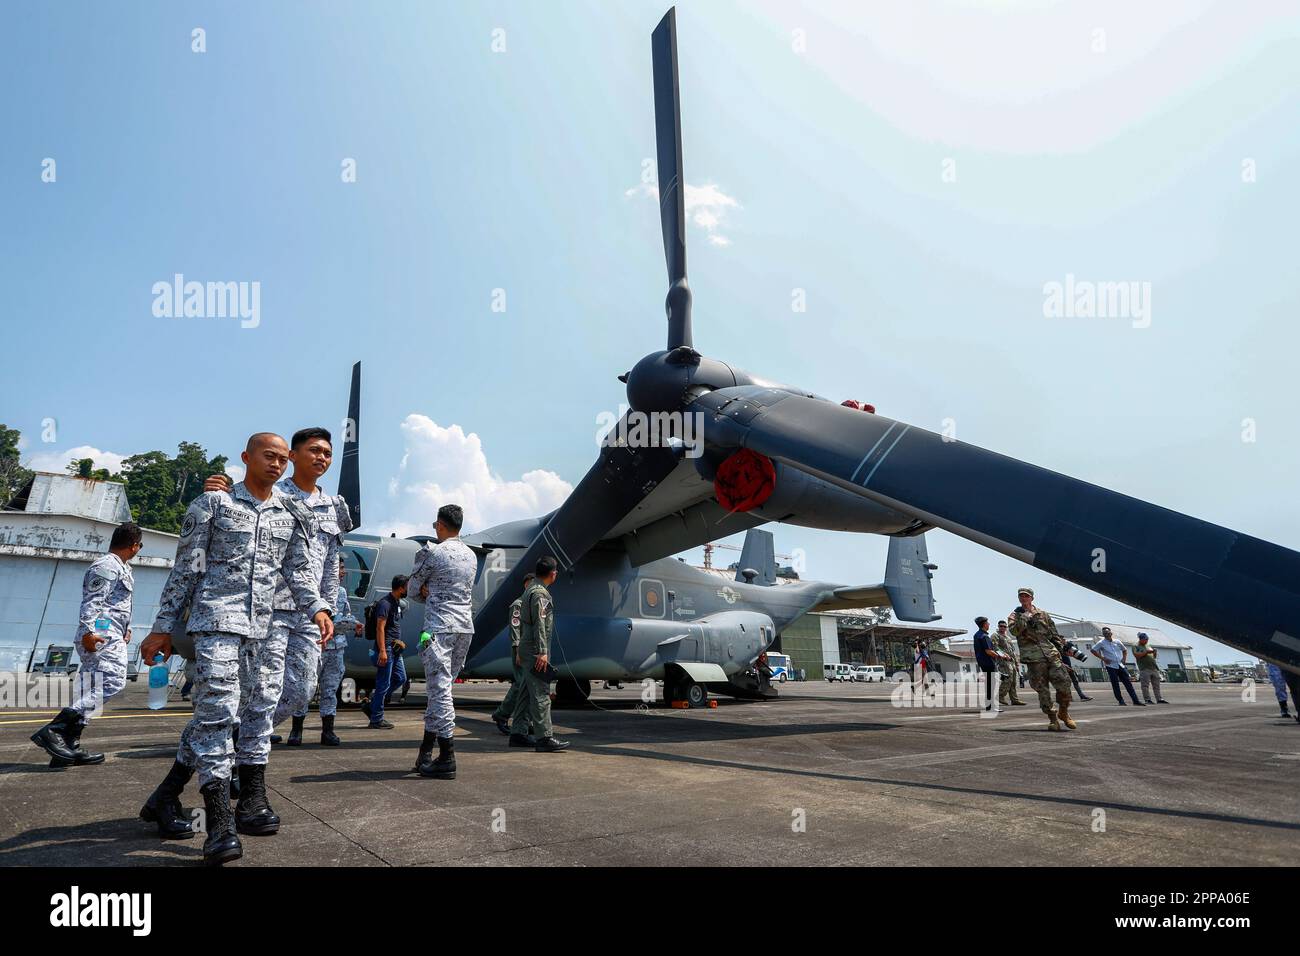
{"x":840,"y":672}
{"x":868,"y":673}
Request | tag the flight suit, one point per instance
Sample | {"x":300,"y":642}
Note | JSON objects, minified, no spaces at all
{"x":106,"y":593}
{"x":1036,"y":632}
{"x":536,"y":627}
{"x":448,"y":571}
{"x":1008,"y":669}
{"x":334,"y":657}
{"x":510,"y":703}
{"x":302,"y":661}
{"x":232,"y":552}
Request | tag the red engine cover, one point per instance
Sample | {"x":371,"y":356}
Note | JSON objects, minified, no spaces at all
{"x":744,"y":481}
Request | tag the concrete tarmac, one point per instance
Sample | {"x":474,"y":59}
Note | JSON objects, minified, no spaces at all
{"x":827,"y":775}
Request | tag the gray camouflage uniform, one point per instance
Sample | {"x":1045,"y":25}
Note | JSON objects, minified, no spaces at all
{"x":232,"y":551}
{"x":105,"y":595}
{"x":334,"y":657}
{"x":448,"y":570}
{"x":302,"y":657}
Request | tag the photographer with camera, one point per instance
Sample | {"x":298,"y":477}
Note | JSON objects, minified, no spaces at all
{"x":1069,"y":650}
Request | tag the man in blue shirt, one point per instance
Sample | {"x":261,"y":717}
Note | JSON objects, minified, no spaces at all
{"x":390,"y":669}
{"x":987,"y":659}
{"x":1113,"y":655}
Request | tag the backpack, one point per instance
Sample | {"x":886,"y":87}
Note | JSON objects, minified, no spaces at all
{"x":371,"y":618}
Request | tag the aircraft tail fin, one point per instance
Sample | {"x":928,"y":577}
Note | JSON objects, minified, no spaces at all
{"x":908,"y":576}
{"x":757,"y":559}
{"x":350,"y":471}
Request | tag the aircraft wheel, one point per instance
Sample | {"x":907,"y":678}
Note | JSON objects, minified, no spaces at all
{"x":696,"y":694}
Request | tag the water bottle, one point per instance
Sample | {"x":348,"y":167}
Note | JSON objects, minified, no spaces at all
{"x":102,"y":637}
{"x":158,"y":683}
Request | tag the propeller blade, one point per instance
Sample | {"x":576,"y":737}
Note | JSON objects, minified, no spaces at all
{"x":672,"y":187}
{"x":621,"y":477}
{"x":1232,"y":587}
{"x":349,"y":471}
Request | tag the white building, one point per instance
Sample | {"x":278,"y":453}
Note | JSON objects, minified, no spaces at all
{"x":49,"y":534}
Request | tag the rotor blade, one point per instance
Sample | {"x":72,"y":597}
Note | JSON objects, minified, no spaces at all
{"x":1232,"y":587}
{"x":349,"y":471}
{"x":621,"y":477}
{"x":672,"y":185}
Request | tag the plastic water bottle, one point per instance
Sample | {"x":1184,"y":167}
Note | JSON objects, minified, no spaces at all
{"x":158,"y":684}
{"x":102,"y":637}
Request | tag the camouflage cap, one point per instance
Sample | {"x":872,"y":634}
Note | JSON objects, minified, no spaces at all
{"x":1029,"y":591}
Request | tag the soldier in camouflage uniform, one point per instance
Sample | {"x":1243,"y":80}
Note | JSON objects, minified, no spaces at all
{"x":334,"y":663}
{"x":536,"y":627}
{"x":1038,"y":639}
{"x":444,"y":578}
{"x":234,"y":547}
{"x":105,"y":632}
{"x":506,"y":709}
{"x":1008,"y":667}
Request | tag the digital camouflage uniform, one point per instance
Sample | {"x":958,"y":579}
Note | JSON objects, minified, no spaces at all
{"x":233,"y":549}
{"x":510,"y":704}
{"x":448,"y":571}
{"x":1008,"y":669}
{"x":536,"y":628}
{"x":334,"y":656}
{"x":1036,"y":633}
{"x":302,"y":659}
{"x":105,"y":595}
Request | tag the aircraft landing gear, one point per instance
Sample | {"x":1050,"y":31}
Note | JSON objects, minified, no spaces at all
{"x":679,"y":687}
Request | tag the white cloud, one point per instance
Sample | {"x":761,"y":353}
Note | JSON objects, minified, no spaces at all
{"x":443,"y":465}
{"x":57,"y":461}
{"x":235,"y":470}
{"x":706,"y":207}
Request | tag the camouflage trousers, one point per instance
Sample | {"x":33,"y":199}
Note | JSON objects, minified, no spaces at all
{"x":443,"y":656}
{"x":102,"y":674}
{"x":301,"y":663}
{"x":1007,"y":689}
{"x":332,"y":668}
{"x":235,"y":679}
{"x":534,"y":705}
{"x":1045,"y":673}
{"x":506,"y":709}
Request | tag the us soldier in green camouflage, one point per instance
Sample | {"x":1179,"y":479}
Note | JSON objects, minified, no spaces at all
{"x":1008,"y":667}
{"x":1038,"y":639}
{"x":537,"y":624}
{"x":501,"y":716}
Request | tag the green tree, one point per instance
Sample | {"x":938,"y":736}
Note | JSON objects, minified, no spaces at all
{"x":12,"y":473}
{"x":161,"y":488}
{"x":85,"y":468}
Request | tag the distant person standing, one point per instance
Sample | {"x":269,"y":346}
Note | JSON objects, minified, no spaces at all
{"x":1279,"y":688}
{"x":1148,"y":670}
{"x":390,"y":669}
{"x":537,"y":628}
{"x":1008,"y":666}
{"x":505,"y":710}
{"x":921,"y":662}
{"x":444,"y":578}
{"x":105,"y":629}
{"x":986,"y":659}
{"x":1070,"y":651}
{"x":334,"y":662}
{"x":1114,"y":655}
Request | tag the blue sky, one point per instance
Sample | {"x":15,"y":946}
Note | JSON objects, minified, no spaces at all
{"x":1093,"y":140}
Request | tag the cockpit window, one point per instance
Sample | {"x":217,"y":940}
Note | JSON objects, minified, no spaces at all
{"x":360,"y":567}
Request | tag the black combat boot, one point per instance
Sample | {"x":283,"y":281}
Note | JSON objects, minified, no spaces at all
{"x":81,"y":757}
{"x":277,"y":739}
{"x":444,"y":767}
{"x":53,"y":737}
{"x":424,"y":759}
{"x":503,"y":724}
{"x":164,"y":805}
{"x":222,"y":844}
{"x":550,"y":745}
{"x":253,"y":814}
{"x":522,"y":740}
{"x":295,"y":733}
{"x":1285,"y":712}
{"x":327,"y":735}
